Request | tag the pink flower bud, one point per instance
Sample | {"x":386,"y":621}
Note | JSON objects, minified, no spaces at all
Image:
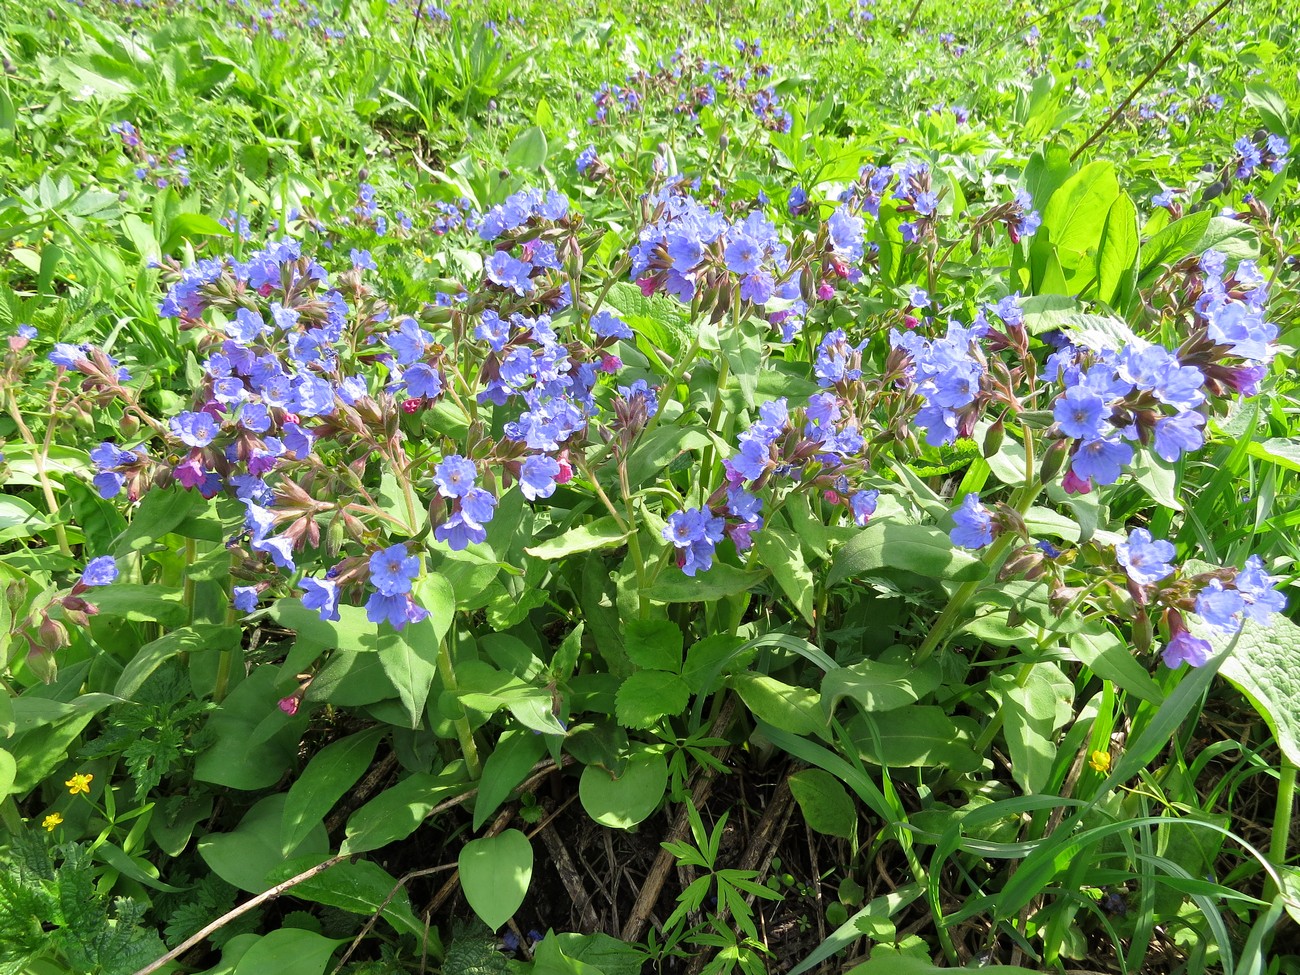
{"x":289,"y":705}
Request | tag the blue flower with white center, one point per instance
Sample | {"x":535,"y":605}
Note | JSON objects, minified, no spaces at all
{"x":396,"y":609}
{"x":1081,"y":413}
{"x":195,"y":429}
{"x":1144,"y":558}
{"x":974,"y":523}
{"x":1101,"y":460}
{"x":393,"y":570}
{"x":509,"y":273}
{"x":1258,"y":594}
{"x":455,"y":476}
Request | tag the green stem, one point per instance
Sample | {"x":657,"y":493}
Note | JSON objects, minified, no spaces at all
{"x":191,"y":556}
{"x":468,"y":749}
{"x":39,"y":455}
{"x":224,"y":664}
{"x":1281,"y":823}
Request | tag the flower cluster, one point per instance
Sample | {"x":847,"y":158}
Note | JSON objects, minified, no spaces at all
{"x":162,"y":170}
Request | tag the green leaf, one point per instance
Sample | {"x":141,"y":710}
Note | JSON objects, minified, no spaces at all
{"x":723,"y":580}
{"x":1282,"y":451}
{"x":620,"y":802}
{"x":410,"y":659}
{"x":513,"y":758}
{"x":1263,"y":666}
{"x":161,"y":604}
{"x":920,"y":549}
{"x":358,"y":886}
{"x":398,"y":811}
{"x":654,"y":644}
{"x":1101,"y":650}
{"x":601,"y":533}
{"x":8,"y":773}
{"x":658,"y":449}
{"x":913,"y":737}
{"x":495,"y":873}
{"x":240,"y":758}
{"x":245,"y":856}
{"x":1031,"y":713}
{"x":528,"y":151}
{"x":187,"y":639}
{"x":159,"y":513}
{"x":1075,"y":216}
{"x":328,"y":776}
{"x":888,"y":961}
{"x":289,"y":951}
{"x":650,"y":695}
{"x":872,"y":685}
{"x":743,"y":348}
{"x":780,"y":551}
{"x":1118,"y":253}
{"x":826,"y":805}
{"x":793,"y":709}
{"x":1174,"y":242}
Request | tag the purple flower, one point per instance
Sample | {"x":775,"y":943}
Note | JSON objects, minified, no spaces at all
{"x":409,"y":341}
{"x":537,"y":476}
{"x":455,"y":476}
{"x":393,"y":570}
{"x":102,"y":571}
{"x":974,"y":523}
{"x":1145,"y":559}
{"x":1220,"y":607}
{"x":398,"y":609}
{"x":1081,"y":413}
{"x":322,"y":597}
{"x":245,"y":598}
{"x":694,"y":532}
{"x":195,"y":429}
{"x":1186,"y":649}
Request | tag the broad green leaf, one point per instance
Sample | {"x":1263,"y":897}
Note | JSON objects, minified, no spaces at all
{"x":328,"y":776}
{"x":1173,"y":243}
{"x":794,"y":709}
{"x":913,"y":737}
{"x":398,"y":811}
{"x":135,"y":602}
{"x":1118,"y":254}
{"x":238,"y":757}
{"x":1264,"y":666}
{"x":159,"y":513}
{"x":1100,"y":649}
{"x":1074,"y":217}
{"x":872,"y":685}
{"x":743,"y":348}
{"x":654,"y":644}
{"x":826,"y":805}
{"x":658,"y":449}
{"x":8,"y":773}
{"x":528,"y":151}
{"x":358,"y":886}
{"x":246,"y":856}
{"x":918,"y":549}
{"x":601,"y":533}
{"x":1282,"y":451}
{"x":647,"y":696}
{"x":289,"y":951}
{"x":495,"y":873}
{"x":514,"y":756}
{"x":780,"y":552}
{"x":1031,"y":713}
{"x":184,"y":640}
{"x":723,"y":580}
{"x":620,"y":802}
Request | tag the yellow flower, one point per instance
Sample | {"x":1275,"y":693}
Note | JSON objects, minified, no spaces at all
{"x":79,"y":783}
{"x":1100,"y":761}
{"x":50,"y":821}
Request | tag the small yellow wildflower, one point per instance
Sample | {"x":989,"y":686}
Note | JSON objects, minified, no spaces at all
{"x":79,"y":783}
{"x":1100,"y":761}
{"x":50,"y":821}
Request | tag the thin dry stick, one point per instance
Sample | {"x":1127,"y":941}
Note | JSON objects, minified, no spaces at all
{"x":243,"y":908}
{"x":1178,"y":46}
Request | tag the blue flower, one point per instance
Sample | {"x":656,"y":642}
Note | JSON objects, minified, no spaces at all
{"x":509,"y":272}
{"x":694,"y":532}
{"x":460,"y":532}
{"x":1257,"y":590}
{"x":397,"y":609}
{"x":537,"y":476}
{"x":1081,"y":413}
{"x":608,"y":326}
{"x":974,"y":523}
{"x":863,"y":505}
{"x":362,"y":259}
{"x":195,"y":429}
{"x":393,"y":570}
{"x":423,"y":380}
{"x":245,"y":598}
{"x":478,"y":506}
{"x":100,"y":571}
{"x":1101,"y":460}
{"x":455,"y":476}
{"x":1176,"y":434}
{"x":322,"y":597}
{"x":1144,"y":558}
{"x":409,"y":341}
{"x":1220,"y":607}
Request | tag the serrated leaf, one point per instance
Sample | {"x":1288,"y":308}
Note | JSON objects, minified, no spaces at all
{"x":649,"y":695}
{"x":654,"y":644}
